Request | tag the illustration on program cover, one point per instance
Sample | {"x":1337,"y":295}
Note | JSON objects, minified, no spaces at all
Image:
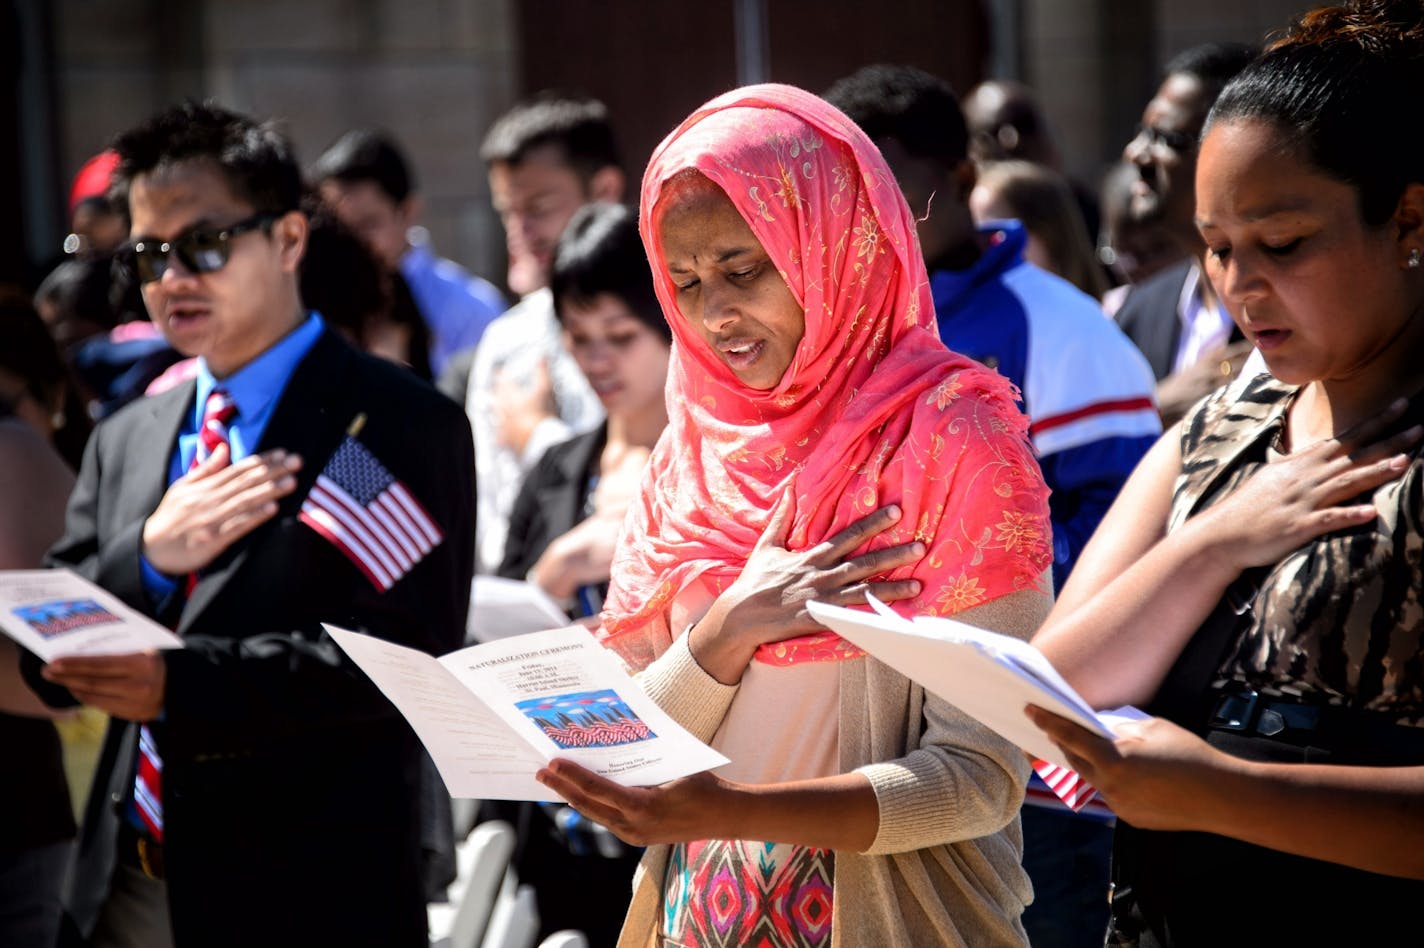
{"x":586,"y":719}
{"x":60,"y":616}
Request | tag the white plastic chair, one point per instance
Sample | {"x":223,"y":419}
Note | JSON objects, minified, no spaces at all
{"x":568,"y":938}
{"x":463,"y":814}
{"x":482,"y":863}
{"x":515,"y":921}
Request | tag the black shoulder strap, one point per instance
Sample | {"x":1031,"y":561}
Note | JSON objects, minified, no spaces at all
{"x":1183,"y":693}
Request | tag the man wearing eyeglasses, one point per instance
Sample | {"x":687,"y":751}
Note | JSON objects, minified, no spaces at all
{"x":255,"y":788}
{"x":1175,"y":317}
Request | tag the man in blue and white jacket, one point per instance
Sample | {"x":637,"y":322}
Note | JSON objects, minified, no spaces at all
{"x":1086,"y":388}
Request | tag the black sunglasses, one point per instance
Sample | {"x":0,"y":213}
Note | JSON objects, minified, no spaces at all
{"x":1165,"y":137}
{"x":199,"y":250}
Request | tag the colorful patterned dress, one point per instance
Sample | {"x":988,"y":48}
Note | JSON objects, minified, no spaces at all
{"x":781,"y":726}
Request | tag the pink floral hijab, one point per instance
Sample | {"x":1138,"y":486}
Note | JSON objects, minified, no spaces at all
{"x":873,"y":409}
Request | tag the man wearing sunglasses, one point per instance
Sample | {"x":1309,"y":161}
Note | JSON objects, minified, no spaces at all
{"x":254,"y":788}
{"x":1174,"y":317}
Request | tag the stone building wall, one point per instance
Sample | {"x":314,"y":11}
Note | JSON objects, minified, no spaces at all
{"x":1096,"y":62}
{"x":434,"y":73}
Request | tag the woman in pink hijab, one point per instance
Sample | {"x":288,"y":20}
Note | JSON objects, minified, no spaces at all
{"x":822,"y":442}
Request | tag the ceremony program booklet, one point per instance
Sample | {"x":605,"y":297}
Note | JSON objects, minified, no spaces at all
{"x":493,"y":714}
{"x":502,"y":607}
{"x":56,"y":612}
{"x":990,"y":677}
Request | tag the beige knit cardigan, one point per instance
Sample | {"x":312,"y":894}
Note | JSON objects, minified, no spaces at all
{"x":945,"y":867}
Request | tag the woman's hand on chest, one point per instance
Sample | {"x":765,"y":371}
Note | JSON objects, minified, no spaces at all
{"x":767,"y":601}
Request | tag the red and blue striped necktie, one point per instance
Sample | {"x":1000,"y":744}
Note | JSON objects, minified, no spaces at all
{"x":218,"y":412}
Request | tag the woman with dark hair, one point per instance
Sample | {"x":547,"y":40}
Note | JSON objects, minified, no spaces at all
{"x":570,"y":510}
{"x":567,"y":520}
{"x":1258,"y":583}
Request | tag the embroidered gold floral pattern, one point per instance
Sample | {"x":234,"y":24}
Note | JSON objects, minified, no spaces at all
{"x":923,"y":530}
{"x":961,"y":593}
{"x":773,"y":457}
{"x":786,"y":189}
{"x":945,"y":392}
{"x":763,"y":209}
{"x":873,"y":410}
{"x":1018,"y":531}
{"x":841,"y":178}
{"x":867,"y":238}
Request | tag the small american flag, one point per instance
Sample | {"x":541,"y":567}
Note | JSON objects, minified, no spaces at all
{"x":1071,"y":788}
{"x":369,"y":515}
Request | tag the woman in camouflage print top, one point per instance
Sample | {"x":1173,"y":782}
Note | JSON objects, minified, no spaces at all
{"x":1277,"y":532}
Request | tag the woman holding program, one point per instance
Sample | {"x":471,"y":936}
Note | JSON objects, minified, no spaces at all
{"x":821,"y":443}
{"x":1258,"y":582}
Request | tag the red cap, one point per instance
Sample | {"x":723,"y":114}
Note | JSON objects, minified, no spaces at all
{"x":93,"y":179}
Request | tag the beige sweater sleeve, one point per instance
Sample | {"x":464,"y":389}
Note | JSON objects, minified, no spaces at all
{"x":962,"y":782}
{"x":959,"y":780}
{"x":688,"y":694}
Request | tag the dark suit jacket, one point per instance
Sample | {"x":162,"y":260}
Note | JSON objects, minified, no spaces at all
{"x":289,"y":785}
{"x":551,"y":500}
{"x":1149,"y":317}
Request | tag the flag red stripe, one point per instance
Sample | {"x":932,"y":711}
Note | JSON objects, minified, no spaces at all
{"x":1068,"y":785}
{"x":372,"y":533}
{"x":397,"y":532}
{"x":350,"y":515}
{"x":417,"y":512}
{"x":320,"y":520}
{"x":321,"y":499}
{"x":389,"y":504}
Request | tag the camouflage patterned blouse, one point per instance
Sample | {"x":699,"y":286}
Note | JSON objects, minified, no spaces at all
{"x":1339,"y":620}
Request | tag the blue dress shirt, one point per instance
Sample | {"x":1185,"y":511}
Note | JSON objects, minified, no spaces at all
{"x":455,"y":305}
{"x":255,"y":389}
